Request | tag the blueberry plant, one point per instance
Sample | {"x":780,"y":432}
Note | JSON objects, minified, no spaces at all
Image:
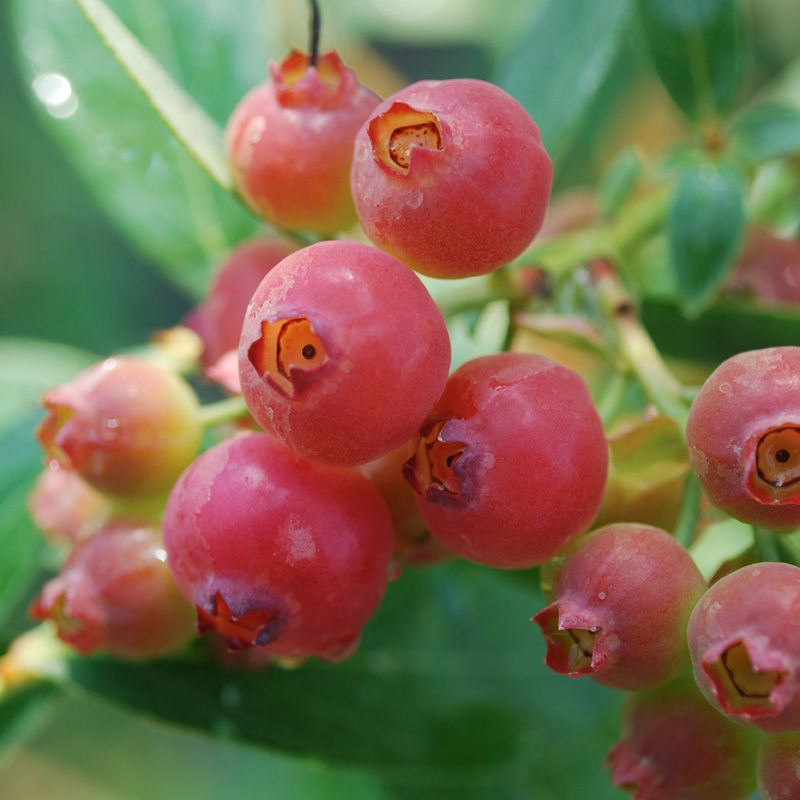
{"x":415,"y":455}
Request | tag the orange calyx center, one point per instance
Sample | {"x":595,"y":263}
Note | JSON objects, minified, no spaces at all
{"x":256,"y":627}
{"x":50,"y":428}
{"x":431,"y":470}
{"x":778,"y":461}
{"x":286,"y":347}
{"x":295,"y":66}
{"x":396,"y":133}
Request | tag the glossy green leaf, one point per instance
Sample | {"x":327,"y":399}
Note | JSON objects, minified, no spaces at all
{"x":447,"y":697}
{"x":194,"y":129}
{"x":705,"y":228}
{"x":698,"y":50}
{"x":561,"y":63}
{"x":162,"y":200}
{"x":767,"y":132}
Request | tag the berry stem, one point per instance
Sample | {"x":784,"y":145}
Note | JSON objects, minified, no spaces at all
{"x":766,"y":545}
{"x":690,"y":511}
{"x":313,"y":47}
{"x":635,"y":345}
{"x":228,"y":410}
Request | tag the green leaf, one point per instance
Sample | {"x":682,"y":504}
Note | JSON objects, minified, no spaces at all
{"x":721,"y":331}
{"x":561,"y":63}
{"x":143,"y":178}
{"x":447,"y":697}
{"x":22,"y":712}
{"x":20,"y":543}
{"x":473,"y":335}
{"x":698,"y":52}
{"x":618,"y":181}
{"x":705,"y":228}
{"x":721,"y":542}
{"x":767,"y":132}
{"x":194,"y":129}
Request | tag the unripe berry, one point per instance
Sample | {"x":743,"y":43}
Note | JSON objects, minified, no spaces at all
{"x":451,"y":177}
{"x":674,"y":746}
{"x":278,"y":552}
{"x":512,"y":461}
{"x":126,"y":426}
{"x":116,"y":594}
{"x":218,"y":321}
{"x":343,"y":353}
{"x":63,"y":506}
{"x":779,"y":767}
{"x":744,"y":637}
{"x":290,"y":143}
{"x":621,"y":605}
{"x":744,"y":437}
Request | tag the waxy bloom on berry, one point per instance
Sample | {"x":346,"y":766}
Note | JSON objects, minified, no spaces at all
{"x":744,"y":437}
{"x":116,"y":594}
{"x":744,"y":636}
{"x":621,"y":606}
{"x":343,"y":353}
{"x":290,"y":143}
{"x":276,"y":551}
{"x":451,"y":177}
{"x":511,"y":463}
{"x":127,"y":426}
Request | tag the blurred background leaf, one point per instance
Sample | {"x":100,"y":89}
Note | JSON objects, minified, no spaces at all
{"x":767,"y":132}
{"x":561,"y":62}
{"x":163,"y":202}
{"x":705,"y":229}
{"x":698,"y":50}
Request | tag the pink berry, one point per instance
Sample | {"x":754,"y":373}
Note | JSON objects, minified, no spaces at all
{"x":744,"y":637}
{"x":621,"y":606}
{"x":278,"y":552}
{"x":674,"y":746}
{"x":769,"y":269}
{"x":744,"y":437}
{"x":779,"y":767}
{"x":290,"y":143}
{"x":65,"y":507}
{"x":512,"y":461}
{"x":218,"y":321}
{"x":127,"y":426}
{"x":451,"y":177}
{"x":343,"y":353}
{"x":117,"y":594}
